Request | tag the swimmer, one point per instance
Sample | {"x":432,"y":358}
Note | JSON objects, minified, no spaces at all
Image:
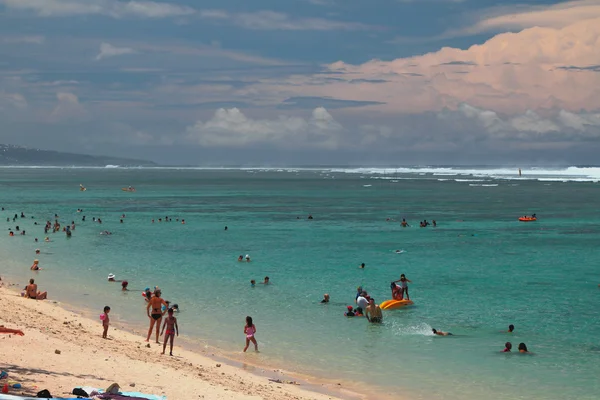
{"x":124,"y":285}
{"x":358,"y":312}
{"x":349,"y":313}
{"x":266,"y":281}
{"x":111,"y":277}
{"x":523,"y":348}
{"x":507,"y":347}
{"x":35,"y":266}
{"x":404,"y":223}
{"x":511,"y":328}
{"x":325,"y":298}
{"x":440,"y":333}
{"x":362,"y":266}
{"x":241,"y":257}
{"x":247,"y":257}
{"x":252,"y":283}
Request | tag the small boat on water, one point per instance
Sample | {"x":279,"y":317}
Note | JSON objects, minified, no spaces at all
{"x":128,"y":189}
{"x":527,"y":218}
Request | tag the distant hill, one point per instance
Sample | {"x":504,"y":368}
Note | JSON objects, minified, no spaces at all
{"x":17,"y":155}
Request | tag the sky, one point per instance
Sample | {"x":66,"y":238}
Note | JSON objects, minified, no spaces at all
{"x":304,"y":82}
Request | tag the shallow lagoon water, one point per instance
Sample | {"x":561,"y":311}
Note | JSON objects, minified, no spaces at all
{"x":474,"y":274}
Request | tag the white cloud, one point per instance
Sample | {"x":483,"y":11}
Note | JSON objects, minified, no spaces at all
{"x":68,"y":109}
{"x":271,"y":20}
{"x":579,"y":122}
{"x":28,"y":39}
{"x":111,"y":8}
{"x":107,"y":50}
{"x":12,"y":101}
{"x":230,"y":127}
{"x":531,"y":123}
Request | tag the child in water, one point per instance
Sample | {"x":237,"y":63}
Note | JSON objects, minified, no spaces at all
{"x":250,"y":331}
{"x":172,"y":329}
{"x":105,"y":321}
{"x":403,"y":286}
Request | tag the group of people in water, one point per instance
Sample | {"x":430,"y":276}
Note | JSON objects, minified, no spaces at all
{"x":422,"y":224}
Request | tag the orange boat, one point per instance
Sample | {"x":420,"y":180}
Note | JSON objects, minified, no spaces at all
{"x":527,"y":219}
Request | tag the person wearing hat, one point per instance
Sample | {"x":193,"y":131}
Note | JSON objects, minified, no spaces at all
{"x":349,"y":313}
{"x":124,"y":285}
{"x":111,"y":277}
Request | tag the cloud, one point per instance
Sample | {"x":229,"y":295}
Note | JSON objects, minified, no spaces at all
{"x":107,"y":50}
{"x":556,"y":16}
{"x":28,"y":39}
{"x":230,"y":127}
{"x":68,"y":109}
{"x":110,"y":8}
{"x":271,"y":20}
{"x":311,"y":102}
{"x":562,"y":124}
{"x":12,"y":101}
{"x":509,"y":73}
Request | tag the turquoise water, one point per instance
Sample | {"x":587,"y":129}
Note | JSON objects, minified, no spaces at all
{"x":477,"y":272}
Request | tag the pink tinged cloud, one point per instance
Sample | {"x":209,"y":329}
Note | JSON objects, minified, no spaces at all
{"x":510,"y":73}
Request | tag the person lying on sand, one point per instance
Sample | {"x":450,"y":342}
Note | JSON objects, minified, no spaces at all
{"x":13,"y":331}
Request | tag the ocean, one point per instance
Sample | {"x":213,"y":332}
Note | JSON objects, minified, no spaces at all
{"x":474,"y":274}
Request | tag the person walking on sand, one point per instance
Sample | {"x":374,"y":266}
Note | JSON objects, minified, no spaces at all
{"x":105,"y":322}
{"x":156,"y":303}
{"x":172,"y":329}
{"x":250,"y":330}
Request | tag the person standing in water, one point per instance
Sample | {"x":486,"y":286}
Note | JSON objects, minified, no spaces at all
{"x":156,"y":303}
{"x":172,"y":329}
{"x":373,"y":312}
{"x":403,"y":286}
{"x":250,"y":330}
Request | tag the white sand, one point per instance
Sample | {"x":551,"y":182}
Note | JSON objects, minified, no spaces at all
{"x":86,"y":359}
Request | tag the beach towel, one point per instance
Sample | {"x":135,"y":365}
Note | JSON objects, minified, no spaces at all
{"x":111,"y":396}
{"x":95,"y":392}
{"x":9,"y":397}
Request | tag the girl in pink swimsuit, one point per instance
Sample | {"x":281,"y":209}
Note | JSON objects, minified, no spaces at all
{"x":250,"y":330}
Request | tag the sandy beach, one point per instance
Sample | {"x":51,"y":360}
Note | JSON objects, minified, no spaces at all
{"x":62,"y":350}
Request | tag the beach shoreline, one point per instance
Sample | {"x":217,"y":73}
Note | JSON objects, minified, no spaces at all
{"x":50,"y":326}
